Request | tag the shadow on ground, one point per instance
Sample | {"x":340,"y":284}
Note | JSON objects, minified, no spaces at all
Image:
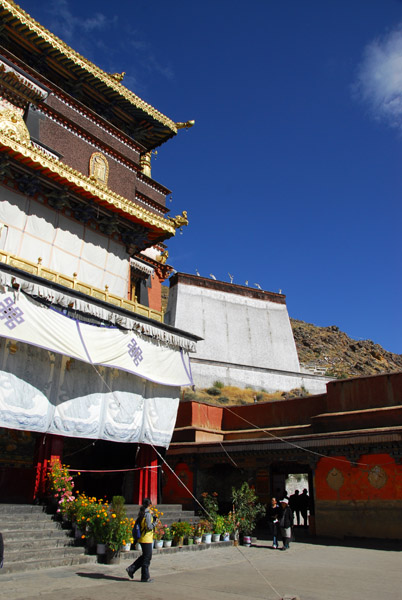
{"x":102,"y":576}
{"x":302,"y":535}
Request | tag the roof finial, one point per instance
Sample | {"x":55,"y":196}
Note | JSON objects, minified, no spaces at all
{"x":186,"y":125}
{"x":118,"y":76}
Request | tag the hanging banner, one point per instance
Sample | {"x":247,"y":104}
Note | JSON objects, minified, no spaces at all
{"x":22,"y":319}
{"x":51,"y":393}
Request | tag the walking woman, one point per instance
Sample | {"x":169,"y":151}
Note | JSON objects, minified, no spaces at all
{"x":147,"y":524}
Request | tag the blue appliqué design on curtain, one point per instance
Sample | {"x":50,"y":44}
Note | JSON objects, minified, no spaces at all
{"x":11,"y":313}
{"x":135,"y":352}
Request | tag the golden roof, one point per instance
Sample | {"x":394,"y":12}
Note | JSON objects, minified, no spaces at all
{"x":17,"y":20}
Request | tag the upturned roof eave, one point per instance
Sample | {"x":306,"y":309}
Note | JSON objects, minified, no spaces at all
{"x":22,"y":22}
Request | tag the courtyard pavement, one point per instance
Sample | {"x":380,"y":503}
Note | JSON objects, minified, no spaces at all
{"x":307,"y":571}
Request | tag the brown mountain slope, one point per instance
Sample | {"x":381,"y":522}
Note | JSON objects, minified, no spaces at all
{"x":340,"y":355}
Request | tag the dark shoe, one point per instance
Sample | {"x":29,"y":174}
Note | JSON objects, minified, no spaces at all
{"x":147,"y":580}
{"x":130,"y":573}
{"x":283,"y":548}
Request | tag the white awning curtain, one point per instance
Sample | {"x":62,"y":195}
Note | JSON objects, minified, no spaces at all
{"x":23,"y":319}
{"x":86,"y":306}
{"x":119,"y":386}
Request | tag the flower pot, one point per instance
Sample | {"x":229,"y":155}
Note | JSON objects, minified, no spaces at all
{"x":167,"y":543}
{"x":126,"y":548}
{"x":246,"y":540}
{"x":100,"y":548}
{"x":189,"y":541}
{"x":158,"y":543}
{"x":112,"y":556}
{"x":197,"y":540}
{"x":225,"y":537}
{"x":206,"y":538}
{"x":216,"y":537}
{"x":179,"y":540}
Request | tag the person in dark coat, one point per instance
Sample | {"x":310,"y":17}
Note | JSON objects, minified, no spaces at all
{"x":285,"y":523}
{"x":1,"y":550}
{"x":304,"y":505}
{"x":274,"y":515}
{"x":294,"y":503}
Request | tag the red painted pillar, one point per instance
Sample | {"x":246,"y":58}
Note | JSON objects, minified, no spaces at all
{"x":48,"y":446}
{"x":146,"y":479}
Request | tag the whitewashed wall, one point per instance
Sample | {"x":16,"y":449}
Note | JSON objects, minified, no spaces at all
{"x":246,"y":340}
{"x":30,"y":230}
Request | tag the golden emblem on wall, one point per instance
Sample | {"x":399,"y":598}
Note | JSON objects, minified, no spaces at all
{"x":377,"y":477}
{"x":13,"y":125}
{"x":335,"y":479}
{"x":99,"y":168}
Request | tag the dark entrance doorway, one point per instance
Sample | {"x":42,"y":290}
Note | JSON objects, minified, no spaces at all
{"x":284,"y":481}
{"x":103,"y":457}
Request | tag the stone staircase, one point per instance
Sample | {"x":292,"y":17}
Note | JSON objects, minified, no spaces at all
{"x":171,"y":513}
{"x":34,"y":540}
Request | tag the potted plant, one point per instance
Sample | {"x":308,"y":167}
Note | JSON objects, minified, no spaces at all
{"x":206,"y":528}
{"x":119,"y":533}
{"x":159,"y":532}
{"x":210,"y":503}
{"x":60,"y":486}
{"x":167,"y":537}
{"x":189,"y":535}
{"x":98,"y":526}
{"x":228,"y":526}
{"x":218,"y":528}
{"x":198,"y":533}
{"x":247,"y":510}
{"x":179,"y":529}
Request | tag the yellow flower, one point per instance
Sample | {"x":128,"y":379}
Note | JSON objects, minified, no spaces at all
{"x":113,"y":516}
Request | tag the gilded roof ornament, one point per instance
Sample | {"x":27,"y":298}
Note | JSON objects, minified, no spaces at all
{"x":179,"y":220}
{"x":13,"y":125}
{"x":185,"y":125}
{"x":118,"y":76}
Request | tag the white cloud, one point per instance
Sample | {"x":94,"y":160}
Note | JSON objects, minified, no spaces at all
{"x":66,"y":25}
{"x":379,"y":80}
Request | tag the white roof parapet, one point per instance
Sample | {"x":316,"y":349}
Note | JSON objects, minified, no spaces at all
{"x":88,"y":307}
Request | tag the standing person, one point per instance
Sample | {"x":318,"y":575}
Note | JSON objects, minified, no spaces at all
{"x":1,"y":550}
{"x":274,"y":515}
{"x":147,"y":525}
{"x":294,"y":503}
{"x":285,"y":523}
{"x":304,"y":505}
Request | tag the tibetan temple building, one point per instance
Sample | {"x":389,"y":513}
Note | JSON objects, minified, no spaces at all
{"x":89,"y":372}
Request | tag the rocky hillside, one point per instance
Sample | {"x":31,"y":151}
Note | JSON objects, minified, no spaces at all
{"x":339,"y":355}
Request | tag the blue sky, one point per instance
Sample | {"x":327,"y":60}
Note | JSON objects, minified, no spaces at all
{"x":291,"y":176}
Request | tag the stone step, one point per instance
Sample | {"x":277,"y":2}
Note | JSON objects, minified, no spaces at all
{"x":23,"y":553}
{"x":34,"y":533}
{"x":33,"y":509}
{"x":33,"y":544}
{"x":47,"y":562}
{"x":28,"y":524}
